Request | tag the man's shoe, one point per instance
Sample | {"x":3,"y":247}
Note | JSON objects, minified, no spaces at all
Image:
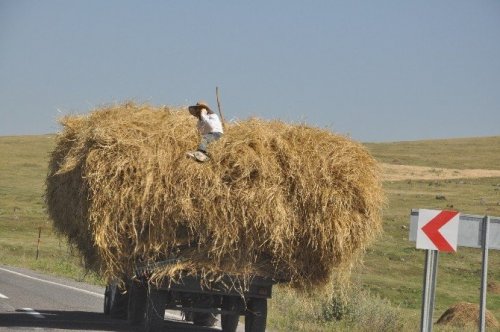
{"x":201,"y":157}
{"x":198,"y":156}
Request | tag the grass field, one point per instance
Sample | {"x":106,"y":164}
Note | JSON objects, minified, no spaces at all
{"x":23,"y":169}
{"x":481,"y":152}
{"x":387,"y":292}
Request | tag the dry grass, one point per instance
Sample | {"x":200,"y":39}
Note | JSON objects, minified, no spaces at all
{"x":493,"y":287}
{"x":285,"y":201}
{"x":393,"y":172}
{"x":465,"y":314}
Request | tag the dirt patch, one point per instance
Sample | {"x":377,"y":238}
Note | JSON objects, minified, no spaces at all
{"x":408,"y":172}
{"x":493,"y":287}
{"x":466,"y":314}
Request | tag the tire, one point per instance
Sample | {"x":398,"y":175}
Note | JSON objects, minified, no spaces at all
{"x":256,"y":315}
{"x":107,"y":300}
{"x":136,"y":303}
{"x":188,"y":315}
{"x":229,"y":322}
{"x":155,"y":309}
{"x":115,"y":301}
{"x":204,"y":319}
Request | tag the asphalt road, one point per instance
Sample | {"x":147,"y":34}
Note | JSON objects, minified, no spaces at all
{"x":31,"y":301}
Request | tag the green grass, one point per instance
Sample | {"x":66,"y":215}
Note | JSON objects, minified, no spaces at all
{"x":23,"y":168}
{"x":393,"y":269}
{"x":461,"y":153}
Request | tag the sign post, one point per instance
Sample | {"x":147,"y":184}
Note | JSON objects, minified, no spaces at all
{"x":437,"y":231}
{"x":484,"y":275}
{"x":430,"y":230}
{"x":428,"y":295}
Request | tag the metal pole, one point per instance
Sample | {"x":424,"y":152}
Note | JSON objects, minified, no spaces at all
{"x":484,"y":274}
{"x":428,"y":294}
{"x":432,"y":290}
{"x":425,"y":293}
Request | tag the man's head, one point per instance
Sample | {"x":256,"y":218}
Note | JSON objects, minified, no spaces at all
{"x":196,"y":109}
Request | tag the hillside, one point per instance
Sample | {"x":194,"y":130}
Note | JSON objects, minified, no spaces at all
{"x":392,"y":268}
{"x":460,"y":153}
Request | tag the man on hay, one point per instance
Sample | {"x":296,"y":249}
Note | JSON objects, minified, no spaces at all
{"x":209,"y":126}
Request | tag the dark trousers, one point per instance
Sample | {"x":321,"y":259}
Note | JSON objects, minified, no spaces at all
{"x":207,"y":139}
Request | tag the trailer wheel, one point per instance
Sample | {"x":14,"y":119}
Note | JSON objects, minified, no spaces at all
{"x":107,"y":300}
{"x":229,"y":322}
{"x":188,"y":315}
{"x":136,"y":302}
{"x":204,"y":319}
{"x":155,"y":309}
{"x":256,"y":315}
{"x":115,"y":301}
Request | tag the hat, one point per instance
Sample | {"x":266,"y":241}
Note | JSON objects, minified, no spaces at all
{"x":195,"y":109}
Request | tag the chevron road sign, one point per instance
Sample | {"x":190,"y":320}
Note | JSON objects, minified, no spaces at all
{"x":437,"y":230}
{"x":470,"y":230}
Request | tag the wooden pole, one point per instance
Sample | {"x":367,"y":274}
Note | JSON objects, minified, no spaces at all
{"x":38,"y":243}
{"x":219,"y":105}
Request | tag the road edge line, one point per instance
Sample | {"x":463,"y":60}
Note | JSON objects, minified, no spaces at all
{"x":53,"y":283}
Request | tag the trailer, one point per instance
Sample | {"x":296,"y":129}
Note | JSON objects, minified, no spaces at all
{"x":143,"y":303}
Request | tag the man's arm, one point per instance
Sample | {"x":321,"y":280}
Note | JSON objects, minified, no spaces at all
{"x":203,"y":115}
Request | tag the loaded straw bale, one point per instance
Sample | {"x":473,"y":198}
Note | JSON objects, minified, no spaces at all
{"x":285,"y":201}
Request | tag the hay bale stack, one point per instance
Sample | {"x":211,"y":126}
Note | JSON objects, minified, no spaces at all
{"x":279,"y":200}
{"x":464,"y":314}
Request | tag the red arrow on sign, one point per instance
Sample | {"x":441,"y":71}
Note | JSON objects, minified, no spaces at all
{"x":431,"y":229}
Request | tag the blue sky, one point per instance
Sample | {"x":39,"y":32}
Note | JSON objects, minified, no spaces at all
{"x":376,"y":70}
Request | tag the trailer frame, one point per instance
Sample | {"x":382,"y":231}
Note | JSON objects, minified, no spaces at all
{"x":143,"y":302}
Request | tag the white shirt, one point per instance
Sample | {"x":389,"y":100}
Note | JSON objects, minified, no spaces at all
{"x":209,"y":123}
